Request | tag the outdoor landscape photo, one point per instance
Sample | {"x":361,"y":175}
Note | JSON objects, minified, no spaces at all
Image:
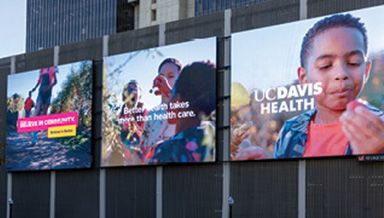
{"x":159,"y":105}
{"x":49,"y":118}
{"x":295,"y":88}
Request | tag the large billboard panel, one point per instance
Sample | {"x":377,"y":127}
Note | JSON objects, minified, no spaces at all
{"x":159,"y":105}
{"x":311,"y":88}
{"x":49,"y":118}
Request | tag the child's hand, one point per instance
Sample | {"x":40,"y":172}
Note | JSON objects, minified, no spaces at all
{"x":251,"y":153}
{"x":238,"y":134}
{"x":364,"y":130}
{"x":162,"y":83}
{"x":237,"y":139}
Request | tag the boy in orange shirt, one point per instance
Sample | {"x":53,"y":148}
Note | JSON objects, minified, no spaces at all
{"x":28,"y":105}
{"x":334,"y":52}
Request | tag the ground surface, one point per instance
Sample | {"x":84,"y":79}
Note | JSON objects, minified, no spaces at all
{"x":47,"y":153}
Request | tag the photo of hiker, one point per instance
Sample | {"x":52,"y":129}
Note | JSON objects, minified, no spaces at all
{"x":52,"y":128}
{"x":135,"y":125}
{"x":310,"y":99}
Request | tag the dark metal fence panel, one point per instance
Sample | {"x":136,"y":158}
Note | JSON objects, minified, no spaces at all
{"x":5,"y":68}
{"x":3,"y":190}
{"x":131,"y":192}
{"x":30,"y":194}
{"x":192,"y":191}
{"x":77,"y":193}
{"x":344,"y":187}
{"x":265,"y":189}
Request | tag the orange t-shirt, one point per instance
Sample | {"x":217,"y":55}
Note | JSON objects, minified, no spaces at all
{"x":325,"y":140}
{"x":28,"y":104}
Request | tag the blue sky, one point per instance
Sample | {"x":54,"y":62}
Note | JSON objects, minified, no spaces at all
{"x":260,"y":44}
{"x":269,"y":57}
{"x":29,"y":80}
{"x":143,"y":68}
{"x":13,"y":27}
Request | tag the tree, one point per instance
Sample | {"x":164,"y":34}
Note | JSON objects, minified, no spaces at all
{"x":113,"y":153}
{"x":15,"y":103}
{"x":76,"y":94}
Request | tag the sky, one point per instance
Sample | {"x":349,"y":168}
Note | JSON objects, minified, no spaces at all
{"x":269,"y":57}
{"x":143,"y":67}
{"x":29,"y":80}
{"x":12,"y":27}
{"x":251,"y":50}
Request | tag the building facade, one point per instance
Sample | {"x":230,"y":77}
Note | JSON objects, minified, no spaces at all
{"x":203,"y":7}
{"x":55,"y":23}
{"x":317,"y":187}
{"x":153,"y":12}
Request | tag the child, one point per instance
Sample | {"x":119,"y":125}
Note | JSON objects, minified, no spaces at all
{"x":194,"y":93}
{"x":28,"y":105}
{"x":168,"y":72}
{"x":333,"y":52}
{"x":124,"y":148}
{"x":159,"y":130}
{"x":131,"y":128}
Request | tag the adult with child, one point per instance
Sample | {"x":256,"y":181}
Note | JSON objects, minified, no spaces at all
{"x":194,"y":139}
{"x":157,"y":130}
{"x":47,"y":79}
{"x":334,"y":53}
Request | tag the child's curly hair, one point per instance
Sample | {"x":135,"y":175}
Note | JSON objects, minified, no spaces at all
{"x":339,"y":20}
{"x":197,"y":84}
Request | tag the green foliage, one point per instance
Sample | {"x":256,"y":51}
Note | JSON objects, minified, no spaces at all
{"x":110,"y":131}
{"x":15,"y":103}
{"x":261,"y":129}
{"x":112,"y":145}
{"x":76,"y":94}
{"x":78,"y":142}
{"x":374,"y":88}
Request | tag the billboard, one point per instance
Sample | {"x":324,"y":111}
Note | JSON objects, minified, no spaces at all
{"x":49,"y":118}
{"x":311,"y":88}
{"x":159,"y":105}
